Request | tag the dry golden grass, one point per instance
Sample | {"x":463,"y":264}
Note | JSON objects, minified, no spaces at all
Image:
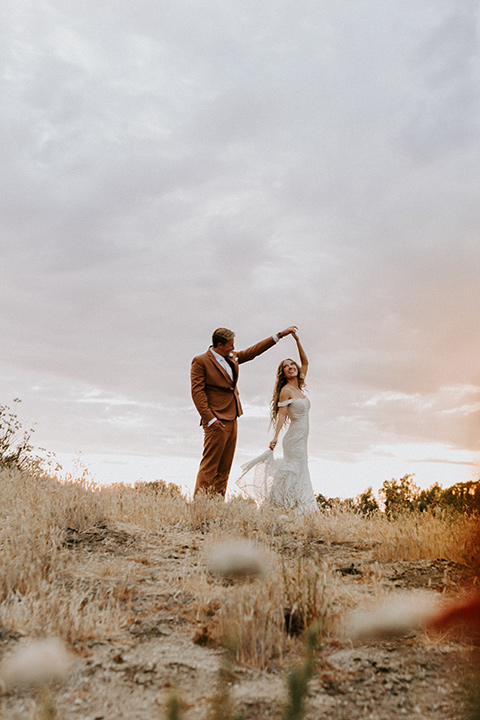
{"x":79,"y":613}
{"x":269,"y":616}
{"x":426,"y":537}
{"x":140,"y":505}
{"x":34,"y":514}
{"x":43,"y":590}
{"x":414,"y":536}
{"x":124,"y":564}
{"x":48,"y":586}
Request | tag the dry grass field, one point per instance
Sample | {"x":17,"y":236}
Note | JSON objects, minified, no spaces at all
{"x":173,"y":609}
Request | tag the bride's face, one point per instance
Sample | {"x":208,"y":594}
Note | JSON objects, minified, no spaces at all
{"x":290,"y":369}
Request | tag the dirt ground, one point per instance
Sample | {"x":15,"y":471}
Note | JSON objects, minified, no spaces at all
{"x":128,"y":676}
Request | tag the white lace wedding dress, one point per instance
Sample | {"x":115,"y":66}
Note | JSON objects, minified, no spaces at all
{"x":284,"y":482}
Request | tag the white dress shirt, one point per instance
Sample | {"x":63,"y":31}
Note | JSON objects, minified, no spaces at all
{"x":223,"y":362}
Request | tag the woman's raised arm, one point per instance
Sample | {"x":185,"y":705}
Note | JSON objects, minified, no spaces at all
{"x":302,"y":353}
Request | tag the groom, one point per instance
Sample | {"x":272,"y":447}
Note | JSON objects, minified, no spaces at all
{"x":214,"y":378}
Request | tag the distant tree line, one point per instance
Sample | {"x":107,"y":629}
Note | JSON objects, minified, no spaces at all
{"x":398,"y":497}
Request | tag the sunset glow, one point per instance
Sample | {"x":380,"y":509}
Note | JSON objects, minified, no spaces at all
{"x":175,"y":168}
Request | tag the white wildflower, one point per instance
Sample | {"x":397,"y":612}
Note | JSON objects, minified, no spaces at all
{"x":397,"y":615}
{"x":36,"y":663}
{"x":238,"y":558}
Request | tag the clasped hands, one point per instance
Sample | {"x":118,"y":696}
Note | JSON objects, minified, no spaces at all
{"x":292,"y":330}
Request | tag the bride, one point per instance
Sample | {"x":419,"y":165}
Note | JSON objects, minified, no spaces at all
{"x":286,"y":482}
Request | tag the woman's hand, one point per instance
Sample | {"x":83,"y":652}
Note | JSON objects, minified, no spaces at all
{"x":272,"y":445}
{"x":288,"y":331}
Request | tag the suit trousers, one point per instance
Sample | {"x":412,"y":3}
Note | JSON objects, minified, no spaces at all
{"x":218,"y":450}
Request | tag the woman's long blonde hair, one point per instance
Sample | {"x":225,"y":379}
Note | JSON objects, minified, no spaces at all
{"x":280,"y":382}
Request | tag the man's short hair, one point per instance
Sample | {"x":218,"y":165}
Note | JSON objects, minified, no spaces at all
{"x":221,"y":336}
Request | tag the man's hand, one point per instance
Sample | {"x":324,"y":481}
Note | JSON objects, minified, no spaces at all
{"x":289,"y":331}
{"x":217,"y":423}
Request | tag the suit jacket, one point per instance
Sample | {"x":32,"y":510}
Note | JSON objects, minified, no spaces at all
{"x":214,"y":393}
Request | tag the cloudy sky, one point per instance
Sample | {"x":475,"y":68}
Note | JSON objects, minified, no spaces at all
{"x":171,"y":167}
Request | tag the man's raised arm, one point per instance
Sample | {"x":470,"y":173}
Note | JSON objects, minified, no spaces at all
{"x":259,"y":348}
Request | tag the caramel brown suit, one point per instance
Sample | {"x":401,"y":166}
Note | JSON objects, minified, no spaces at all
{"x":215,"y":395}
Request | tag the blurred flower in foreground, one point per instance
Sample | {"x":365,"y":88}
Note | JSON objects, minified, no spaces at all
{"x":404,"y":612}
{"x":36,"y":663}
{"x":237,"y":559}
{"x":396,"y":615}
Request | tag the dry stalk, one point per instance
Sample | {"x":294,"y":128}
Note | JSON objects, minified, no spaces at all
{"x":254,"y":614}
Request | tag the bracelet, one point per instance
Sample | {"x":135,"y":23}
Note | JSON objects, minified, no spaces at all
{"x":280,"y":335}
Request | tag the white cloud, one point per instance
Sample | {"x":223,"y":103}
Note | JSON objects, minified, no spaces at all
{"x":172,"y":168}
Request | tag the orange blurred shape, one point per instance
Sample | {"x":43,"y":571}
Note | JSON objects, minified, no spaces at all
{"x":461,"y":613}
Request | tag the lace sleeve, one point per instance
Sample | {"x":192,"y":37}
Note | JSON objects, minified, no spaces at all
{"x":285,"y":403}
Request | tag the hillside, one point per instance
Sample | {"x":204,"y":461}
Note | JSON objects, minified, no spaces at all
{"x":132,"y":580}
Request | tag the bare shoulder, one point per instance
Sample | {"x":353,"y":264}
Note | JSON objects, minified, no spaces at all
{"x":285,"y":394}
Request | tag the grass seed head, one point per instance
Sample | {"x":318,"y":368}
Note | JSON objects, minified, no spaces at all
{"x":237,"y":559}
{"x":37,"y":663}
{"x":396,"y":615}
